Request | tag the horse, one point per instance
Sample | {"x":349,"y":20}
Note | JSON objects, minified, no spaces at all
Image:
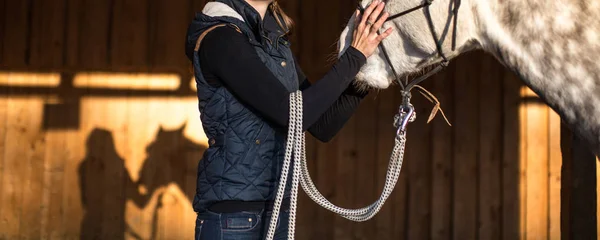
{"x":553,"y":46}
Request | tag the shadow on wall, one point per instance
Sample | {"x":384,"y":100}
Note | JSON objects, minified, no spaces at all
{"x":106,"y":184}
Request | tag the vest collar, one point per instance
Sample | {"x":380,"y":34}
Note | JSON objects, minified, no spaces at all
{"x":242,"y":11}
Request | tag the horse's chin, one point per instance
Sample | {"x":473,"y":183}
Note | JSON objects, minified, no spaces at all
{"x":373,"y":80}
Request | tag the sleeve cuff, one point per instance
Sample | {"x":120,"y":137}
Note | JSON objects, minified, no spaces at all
{"x":355,"y":53}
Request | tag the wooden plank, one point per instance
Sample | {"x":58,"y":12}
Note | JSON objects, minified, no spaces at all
{"x":70,"y":53}
{"x":53,"y":183}
{"x":418,"y":153}
{"x":490,"y":153}
{"x":309,"y":56}
{"x":554,"y":176}
{"x":465,"y":145}
{"x":305,"y":222}
{"x":72,"y":209}
{"x":523,"y":132}
{"x":16,"y":31}
{"x":325,"y":178}
{"x":47,"y":33}
{"x":22,"y":178}
{"x":578,"y":196}
{"x":400,"y":197}
{"x":384,"y":225}
{"x":366,"y":191}
{"x":537,"y":168}
{"x":92,"y":53}
{"x":346,"y":170}
{"x":93,"y":47}
{"x":90,"y":170}
{"x":2,"y":37}
{"x":129,"y":34}
{"x":3,"y":129}
{"x":566,"y":190}
{"x":164,"y":49}
{"x":47,"y":166}
{"x":293,"y":10}
{"x":34,"y":175}
{"x":511,"y":157}
{"x":441,"y":154}
{"x":114,"y":179}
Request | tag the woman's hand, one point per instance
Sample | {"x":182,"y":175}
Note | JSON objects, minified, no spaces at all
{"x":366,"y":37}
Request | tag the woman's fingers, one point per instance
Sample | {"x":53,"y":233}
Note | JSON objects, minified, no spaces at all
{"x":366,"y":36}
{"x":363,"y":21}
{"x":356,"y":16}
{"x":385,"y":34}
{"x":375,"y":14}
{"x":380,"y":22}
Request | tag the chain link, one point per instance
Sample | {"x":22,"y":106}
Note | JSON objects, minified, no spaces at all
{"x":296,"y":145}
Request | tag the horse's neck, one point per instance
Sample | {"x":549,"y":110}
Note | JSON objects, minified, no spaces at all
{"x":555,"y":47}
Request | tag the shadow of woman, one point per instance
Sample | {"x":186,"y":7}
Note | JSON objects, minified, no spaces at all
{"x":105,"y":187}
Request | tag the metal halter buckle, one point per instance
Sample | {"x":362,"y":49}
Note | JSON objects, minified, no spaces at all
{"x":405,"y":112}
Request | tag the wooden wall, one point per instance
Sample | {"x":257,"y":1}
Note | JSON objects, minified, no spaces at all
{"x":95,"y":96}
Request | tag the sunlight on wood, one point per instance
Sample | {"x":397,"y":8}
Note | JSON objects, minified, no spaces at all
{"x":21,"y":79}
{"x":541,"y":161}
{"x":137,"y":81}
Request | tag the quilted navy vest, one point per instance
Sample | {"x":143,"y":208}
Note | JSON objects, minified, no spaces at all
{"x":245,"y":154}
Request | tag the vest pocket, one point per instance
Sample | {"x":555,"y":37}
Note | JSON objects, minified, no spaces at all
{"x":253,"y":153}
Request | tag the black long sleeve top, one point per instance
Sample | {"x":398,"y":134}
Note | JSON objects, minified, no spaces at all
{"x":228,"y":59}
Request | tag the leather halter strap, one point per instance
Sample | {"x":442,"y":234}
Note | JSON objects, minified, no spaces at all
{"x":406,"y":86}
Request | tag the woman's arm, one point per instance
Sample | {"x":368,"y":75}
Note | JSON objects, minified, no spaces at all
{"x":336,"y":116}
{"x":228,"y":58}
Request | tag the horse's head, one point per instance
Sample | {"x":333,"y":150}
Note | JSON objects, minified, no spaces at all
{"x":171,"y":158}
{"x":411,"y":46}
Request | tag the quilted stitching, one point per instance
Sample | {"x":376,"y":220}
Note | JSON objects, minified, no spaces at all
{"x":239,"y":169}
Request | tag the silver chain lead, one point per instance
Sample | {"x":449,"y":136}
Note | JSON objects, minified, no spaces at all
{"x":296,"y":145}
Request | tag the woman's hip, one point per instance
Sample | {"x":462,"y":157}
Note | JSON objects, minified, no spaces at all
{"x":244,"y":225}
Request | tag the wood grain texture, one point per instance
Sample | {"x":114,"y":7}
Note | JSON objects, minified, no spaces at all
{"x":94,"y":32}
{"x":365,"y":167}
{"x":418,"y":154}
{"x":442,"y":157}
{"x":346,"y":171}
{"x":536,"y":140}
{"x":22,"y":180}
{"x":3,"y":129}
{"x":129,"y":34}
{"x":386,"y":109}
{"x":511,"y":151}
{"x":466,"y":145}
{"x":490,"y":154}
{"x":2,"y":32}
{"x":554,"y":176}
{"x":400,"y":197}
{"x":16,"y":33}
{"x":47,"y":33}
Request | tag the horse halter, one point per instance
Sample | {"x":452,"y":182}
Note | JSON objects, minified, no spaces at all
{"x":406,"y":111}
{"x":406,"y":86}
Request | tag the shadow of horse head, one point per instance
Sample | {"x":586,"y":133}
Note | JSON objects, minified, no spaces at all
{"x":171,"y":158}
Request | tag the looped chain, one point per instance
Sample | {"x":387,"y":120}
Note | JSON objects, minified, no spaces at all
{"x":296,"y":145}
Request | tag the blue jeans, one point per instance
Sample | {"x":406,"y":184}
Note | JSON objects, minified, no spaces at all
{"x":239,"y":225}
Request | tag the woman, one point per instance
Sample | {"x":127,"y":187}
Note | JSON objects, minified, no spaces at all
{"x":244,"y":71}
